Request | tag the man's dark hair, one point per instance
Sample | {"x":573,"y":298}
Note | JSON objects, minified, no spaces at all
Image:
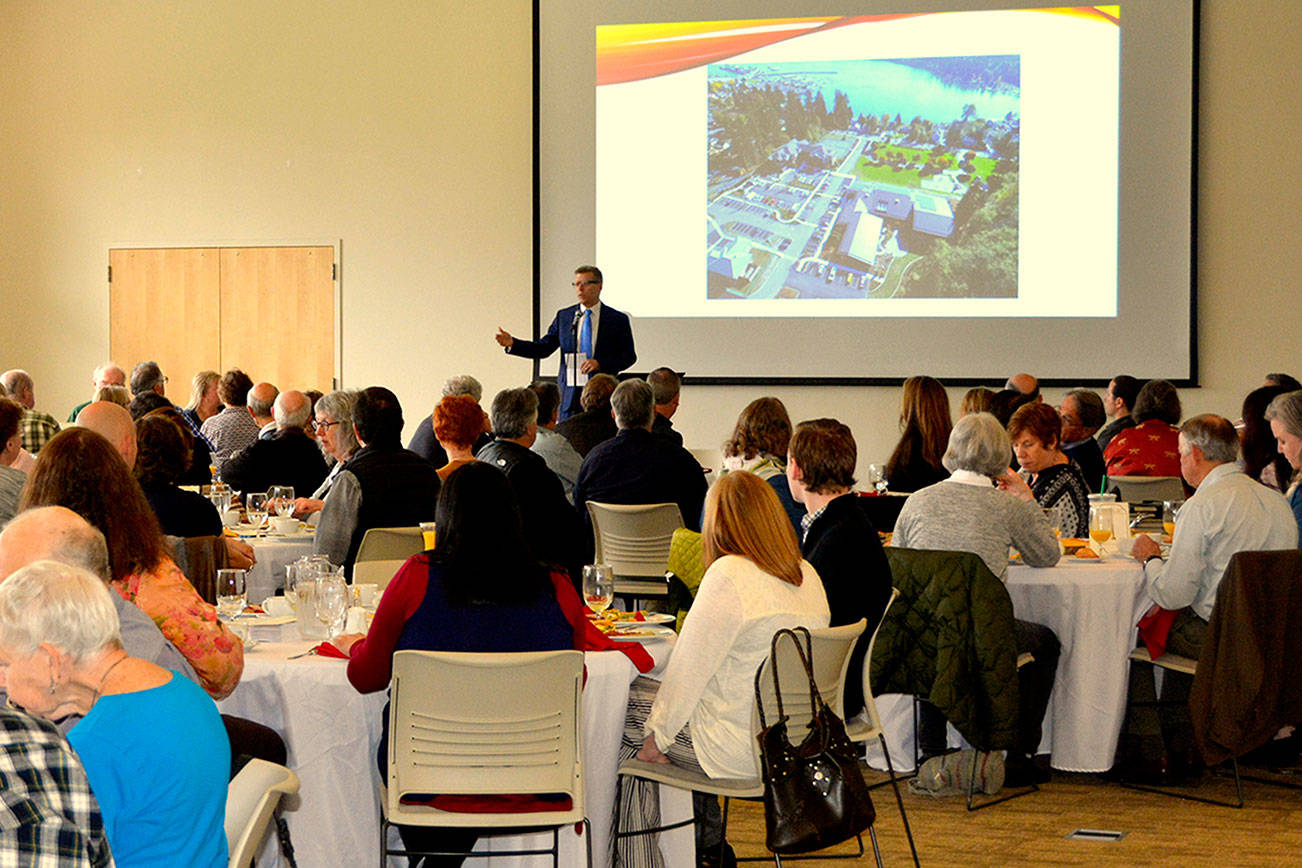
{"x":1288,"y":381}
{"x":826,"y":453}
{"x":664,"y":383}
{"x":145,"y":376}
{"x":1126,"y":388}
{"x":598,"y":391}
{"x":377,"y":416}
{"x":549,"y":400}
{"x":1089,"y":408}
{"x":1158,"y":399}
{"x":234,"y":388}
{"x":590,"y":269}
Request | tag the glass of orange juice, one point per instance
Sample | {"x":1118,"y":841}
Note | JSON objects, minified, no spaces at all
{"x":1100,"y":527}
{"x":1170,"y":509}
{"x":427,"y":531}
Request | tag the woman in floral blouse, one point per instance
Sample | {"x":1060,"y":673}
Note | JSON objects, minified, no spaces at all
{"x":81,"y":470}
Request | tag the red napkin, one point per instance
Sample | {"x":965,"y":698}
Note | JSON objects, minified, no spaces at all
{"x":325,"y":649}
{"x":1154,"y":627}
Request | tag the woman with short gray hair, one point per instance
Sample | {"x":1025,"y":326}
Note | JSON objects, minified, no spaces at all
{"x":154,"y":748}
{"x":1285,"y":417}
{"x":336,"y":438}
{"x":985,"y":508}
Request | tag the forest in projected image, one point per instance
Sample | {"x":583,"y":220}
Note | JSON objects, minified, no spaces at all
{"x":884,"y":178}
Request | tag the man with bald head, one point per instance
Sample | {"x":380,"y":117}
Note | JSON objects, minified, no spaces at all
{"x":107,"y":374}
{"x":113,"y":423}
{"x":262,"y":399}
{"x":288,"y":457}
{"x":1026,"y":384}
{"x":56,"y":533}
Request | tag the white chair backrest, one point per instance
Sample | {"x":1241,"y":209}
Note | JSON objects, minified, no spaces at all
{"x":493,"y":723}
{"x":831,"y":647}
{"x":1133,"y":489}
{"x":869,"y":703}
{"x":251,"y":799}
{"x":378,"y":573}
{"x":634,"y":539}
{"x":391,"y":544}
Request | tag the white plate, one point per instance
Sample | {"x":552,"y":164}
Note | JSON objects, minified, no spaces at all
{"x":640,"y":633}
{"x":263,"y":620}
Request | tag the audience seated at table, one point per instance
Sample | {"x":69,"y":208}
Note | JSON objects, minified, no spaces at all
{"x":1005,"y":403}
{"x":976,"y":400}
{"x":424,"y":442}
{"x":153,"y":746}
{"x":925,"y":424}
{"x":1262,"y":459}
{"x":147,"y":389}
{"x":968,"y":513}
{"x":666,"y":391}
{"x":1056,"y":481}
{"x":699,"y":715}
{"x":162,"y":454}
{"x":204,"y":401}
{"x":480,"y":589}
{"x":287,"y":457}
{"x":36,"y":428}
{"x":838,"y":539}
{"x":382,"y":484}
{"x":11,"y":479}
{"x":561,"y":456}
{"x":1118,"y":402}
{"x":636,"y":466}
{"x":1285,"y":417}
{"x":198,"y":469}
{"x":1082,"y":416}
{"x":335,"y":438}
{"x":458,"y":425}
{"x":758,"y":445}
{"x":233,"y":427}
{"x":1149,"y":447}
{"x":1228,"y":513}
{"x":81,"y":470}
{"x":107,"y":374}
{"x":594,"y":424}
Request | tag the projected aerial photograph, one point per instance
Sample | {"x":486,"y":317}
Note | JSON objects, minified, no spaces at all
{"x":864,"y":179}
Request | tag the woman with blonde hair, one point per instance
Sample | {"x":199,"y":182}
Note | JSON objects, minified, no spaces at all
{"x":699,"y":716}
{"x":925,"y":424}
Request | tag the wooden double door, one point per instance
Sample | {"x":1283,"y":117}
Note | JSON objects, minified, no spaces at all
{"x":269,"y":311}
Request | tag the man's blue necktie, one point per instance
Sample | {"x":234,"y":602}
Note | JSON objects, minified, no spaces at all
{"x":585,"y":334}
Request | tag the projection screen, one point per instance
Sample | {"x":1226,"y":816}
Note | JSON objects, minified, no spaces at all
{"x":779,"y":193}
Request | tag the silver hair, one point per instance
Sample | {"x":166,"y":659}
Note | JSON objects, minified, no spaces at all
{"x":664,"y":385}
{"x":338,"y":407}
{"x":259,"y":407}
{"x":199,"y":387}
{"x":292,"y":417}
{"x":634,"y":404}
{"x":463,"y":384}
{"x":16,"y":381}
{"x":1212,"y":435}
{"x":145,"y":376}
{"x":980,"y":444}
{"x":513,"y":411}
{"x":67,"y":606}
{"x":1287,"y":408}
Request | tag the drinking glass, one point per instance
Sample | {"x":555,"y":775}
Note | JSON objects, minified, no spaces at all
{"x":598,"y":587}
{"x":877,"y":477}
{"x":232,"y":594}
{"x":427,"y":533}
{"x":1170,"y":509}
{"x":256,"y":508}
{"x":281,"y":499}
{"x":331,"y":601}
{"x":1055,"y":520}
{"x":1100,"y":527}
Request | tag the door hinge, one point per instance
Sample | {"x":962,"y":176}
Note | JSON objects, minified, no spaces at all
{"x":110,"y":271}
{"x":334,"y":271}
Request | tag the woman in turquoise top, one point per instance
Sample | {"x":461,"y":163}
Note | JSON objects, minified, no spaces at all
{"x":152,"y":743}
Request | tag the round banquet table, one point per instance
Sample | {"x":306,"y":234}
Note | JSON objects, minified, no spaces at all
{"x":332,"y":732}
{"x":1093,"y":607}
{"x":273,"y":553}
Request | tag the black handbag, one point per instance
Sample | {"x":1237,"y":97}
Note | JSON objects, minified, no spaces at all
{"x":814,"y":793}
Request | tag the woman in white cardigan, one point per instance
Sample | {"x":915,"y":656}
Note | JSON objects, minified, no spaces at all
{"x":699,"y":716}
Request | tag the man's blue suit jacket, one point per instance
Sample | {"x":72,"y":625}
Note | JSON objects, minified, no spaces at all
{"x":614,"y":350}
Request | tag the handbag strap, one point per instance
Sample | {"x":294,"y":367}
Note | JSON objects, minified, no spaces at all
{"x":806,"y":654}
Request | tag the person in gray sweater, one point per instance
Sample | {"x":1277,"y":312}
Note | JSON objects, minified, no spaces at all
{"x":985,"y":508}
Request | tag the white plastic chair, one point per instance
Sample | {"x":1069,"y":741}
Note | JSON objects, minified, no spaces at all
{"x":251,"y":800}
{"x":1134,"y":489}
{"x":484,"y":725}
{"x":831,"y":650}
{"x":383,"y":551}
{"x":634,"y":539}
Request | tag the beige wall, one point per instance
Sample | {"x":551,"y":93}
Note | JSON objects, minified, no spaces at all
{"x":402,"y":129}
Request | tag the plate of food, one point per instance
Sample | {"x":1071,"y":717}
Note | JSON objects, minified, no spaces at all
{"x":616,"y":616}
{"x":639,"y":632}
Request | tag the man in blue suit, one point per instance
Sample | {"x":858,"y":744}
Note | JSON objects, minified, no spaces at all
{"x":592,"y":337}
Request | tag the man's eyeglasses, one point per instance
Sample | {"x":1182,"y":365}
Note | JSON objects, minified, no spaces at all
{"x":579,"y":283}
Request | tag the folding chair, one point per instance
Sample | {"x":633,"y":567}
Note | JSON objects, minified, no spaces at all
{"x":1133,"y":489}
{"x":634,"y":539}
{"x":251,"y":801}
{"x":831,"y":650}
{"x":484,"y":725}
{"x":383,"y":552}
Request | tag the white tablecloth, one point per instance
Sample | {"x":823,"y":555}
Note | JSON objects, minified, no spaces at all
{"x":332,"y":732}
{"x":273,"y":553}
{"x":1093,"y":607}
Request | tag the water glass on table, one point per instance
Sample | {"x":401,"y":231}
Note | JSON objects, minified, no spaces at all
{"x":255,"y":507}
{"x":232,"y":593}
{"x":332,"y":601}
{"x":598,"y":587}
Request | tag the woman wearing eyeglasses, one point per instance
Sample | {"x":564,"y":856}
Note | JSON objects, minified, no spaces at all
{"x":334,"y":434}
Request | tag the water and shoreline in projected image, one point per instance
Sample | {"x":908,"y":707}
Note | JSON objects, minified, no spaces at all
{"x":864,"y":179}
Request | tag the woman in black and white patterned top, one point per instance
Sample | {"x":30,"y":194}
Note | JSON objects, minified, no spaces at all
{"x":1055,"y":480}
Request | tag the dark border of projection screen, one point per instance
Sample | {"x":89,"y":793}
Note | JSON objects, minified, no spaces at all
{"x":719,"y":161}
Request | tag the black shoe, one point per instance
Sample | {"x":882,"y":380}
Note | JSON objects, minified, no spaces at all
{"x":710,"y":858}
{"x":1023,"y":771}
